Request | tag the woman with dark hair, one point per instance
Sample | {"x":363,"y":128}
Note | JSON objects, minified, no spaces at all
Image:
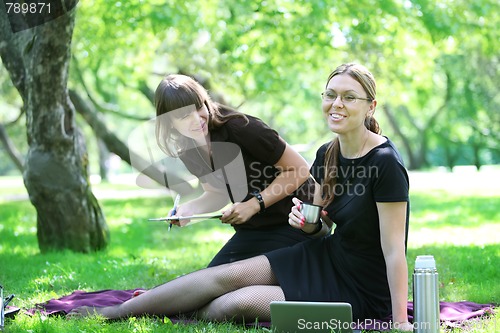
{"x":237,"y":158}
{"x":363,"y":187}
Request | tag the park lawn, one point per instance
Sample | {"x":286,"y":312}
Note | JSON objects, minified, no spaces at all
{"x":460,"y":230}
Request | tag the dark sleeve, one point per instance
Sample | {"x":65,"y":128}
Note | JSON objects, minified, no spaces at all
{"x":391,"y":183}
{"x":257,"y":139}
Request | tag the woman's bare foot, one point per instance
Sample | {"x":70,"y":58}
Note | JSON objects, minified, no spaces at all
{"x":108,"y":312}
{"x":82,"y":311}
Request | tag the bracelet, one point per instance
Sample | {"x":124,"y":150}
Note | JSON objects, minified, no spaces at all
{"x":258,"y":196}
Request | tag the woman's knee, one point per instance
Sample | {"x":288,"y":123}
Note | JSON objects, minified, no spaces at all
{"x":244,"y":273}
{"x":246,"y":303}
{"x":230,"y":307}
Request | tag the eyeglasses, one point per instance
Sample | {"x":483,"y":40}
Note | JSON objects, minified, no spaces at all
{"x":331,"y":96}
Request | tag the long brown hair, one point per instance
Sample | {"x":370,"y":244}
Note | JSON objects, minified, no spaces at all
{"x":367,"y":81}
{"x":178,"y":91}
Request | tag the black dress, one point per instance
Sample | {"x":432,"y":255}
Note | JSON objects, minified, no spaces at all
{"x":348,"y":266}
{"x":243,"y":158}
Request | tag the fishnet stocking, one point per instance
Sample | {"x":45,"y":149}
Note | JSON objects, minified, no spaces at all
{"x":245,"y":304}
{"x":249,"y":301}
{"x":199,"y":289}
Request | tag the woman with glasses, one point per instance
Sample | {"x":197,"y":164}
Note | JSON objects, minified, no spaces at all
{"x":363,"y":187}
{"x":238,"y":159}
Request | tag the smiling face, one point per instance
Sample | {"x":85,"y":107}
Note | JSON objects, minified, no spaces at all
{"x":344,"y":104}
{"x":191,"y":123}
{"x":183,"y":114}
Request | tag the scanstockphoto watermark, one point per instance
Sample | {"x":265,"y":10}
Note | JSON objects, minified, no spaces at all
{"x":351,"y":176}
{"x":343,"y":172}
{"x":336,"y":325}
{"x":228,"y":166}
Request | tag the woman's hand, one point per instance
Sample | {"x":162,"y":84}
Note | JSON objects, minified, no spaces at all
{"x":298,"y":221}
{"x":240,"y":212}
{"x":295,"y":218}
{"x":182,"y":210}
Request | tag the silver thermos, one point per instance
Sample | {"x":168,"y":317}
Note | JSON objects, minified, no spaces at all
{"x":425,"y":296}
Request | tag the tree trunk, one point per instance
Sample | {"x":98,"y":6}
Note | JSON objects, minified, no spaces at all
{"x":56,"y":167}
{"x":414,"y":162}
{"x":103,"y":151}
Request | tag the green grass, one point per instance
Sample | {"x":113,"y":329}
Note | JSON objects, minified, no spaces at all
{"x":459,"y":229}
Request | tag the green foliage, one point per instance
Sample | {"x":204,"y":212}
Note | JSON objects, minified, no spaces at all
{"x":273,"y":57}
{"x":436,"y":64}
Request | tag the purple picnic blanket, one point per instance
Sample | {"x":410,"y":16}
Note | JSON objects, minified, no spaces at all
{"x":451,"y":313}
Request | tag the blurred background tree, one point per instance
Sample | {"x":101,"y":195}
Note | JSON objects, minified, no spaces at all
{"x":436,"y":64}
{"x":34,"y":48}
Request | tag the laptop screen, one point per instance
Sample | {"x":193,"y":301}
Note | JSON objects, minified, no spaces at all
{"x":288,"y":316}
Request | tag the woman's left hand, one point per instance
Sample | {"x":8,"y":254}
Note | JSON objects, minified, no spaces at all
{"x":238,"y":213}
{"x":295,"y":218}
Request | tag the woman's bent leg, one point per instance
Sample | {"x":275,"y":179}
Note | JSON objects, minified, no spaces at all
{"x":190,"y":292}
{"x":243,"y":305}
{"x":249,"y":302}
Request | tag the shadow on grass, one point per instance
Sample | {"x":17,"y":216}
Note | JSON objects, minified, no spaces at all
{"x":62,"y":272}
{"x":140,"y":253}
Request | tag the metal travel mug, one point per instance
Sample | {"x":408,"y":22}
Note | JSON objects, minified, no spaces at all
{"x":425,"y":296}
{"x":311,"y":212}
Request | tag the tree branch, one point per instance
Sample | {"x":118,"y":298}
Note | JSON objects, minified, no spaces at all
{"x":115,"y":145}
{"x":11,"y":149}
{"x":106,"y":107}
{"x":397,"y":129}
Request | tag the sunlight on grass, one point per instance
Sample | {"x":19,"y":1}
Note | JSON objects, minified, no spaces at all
{"x":481,"y":235}
{"x":464,"y":270}
{"x":442,"y":216}
{"x":458,"y":224}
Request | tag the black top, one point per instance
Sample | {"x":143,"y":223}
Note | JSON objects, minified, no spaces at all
{"x":379,"y":176}
{"x":348,"y":266}
{"x":243,"y":157}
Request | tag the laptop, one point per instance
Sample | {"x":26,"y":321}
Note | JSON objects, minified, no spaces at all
{"x":300,"y":317}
